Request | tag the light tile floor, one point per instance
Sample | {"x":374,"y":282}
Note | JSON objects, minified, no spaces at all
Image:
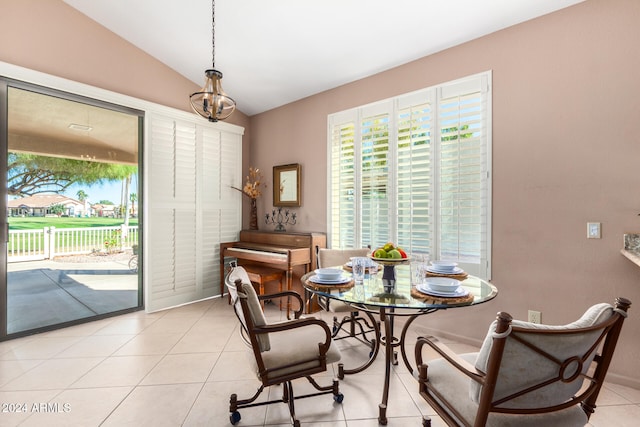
{"x":178,"y":368}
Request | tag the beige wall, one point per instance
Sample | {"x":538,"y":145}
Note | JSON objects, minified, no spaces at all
{"x":566,"y":150}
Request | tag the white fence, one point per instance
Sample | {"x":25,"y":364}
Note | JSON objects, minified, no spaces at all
{"x":49,"y":242}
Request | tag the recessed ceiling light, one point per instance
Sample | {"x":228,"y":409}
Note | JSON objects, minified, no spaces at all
{"x":75,"y":126}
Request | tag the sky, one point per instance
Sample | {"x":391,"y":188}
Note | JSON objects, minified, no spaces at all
{"x":108,"y":191}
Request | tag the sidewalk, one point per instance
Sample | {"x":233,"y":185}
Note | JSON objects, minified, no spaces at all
{"x":48,"y":292}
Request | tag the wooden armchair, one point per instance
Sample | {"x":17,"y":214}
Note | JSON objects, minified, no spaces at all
{"x":525,"y":374}
{"x":282,"y":351}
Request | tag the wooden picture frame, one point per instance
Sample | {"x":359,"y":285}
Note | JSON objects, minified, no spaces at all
{"x":286,"y":185}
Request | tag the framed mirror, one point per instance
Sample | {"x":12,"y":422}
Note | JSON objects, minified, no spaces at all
{"x":286,"y":185}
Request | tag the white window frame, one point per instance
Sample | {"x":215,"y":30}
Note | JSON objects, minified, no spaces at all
{"x":480,"y":82}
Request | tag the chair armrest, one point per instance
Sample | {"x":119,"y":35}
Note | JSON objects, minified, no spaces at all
{"x":298,"y":311}
{"x":450,"y":356}
{"x":298,"y":323}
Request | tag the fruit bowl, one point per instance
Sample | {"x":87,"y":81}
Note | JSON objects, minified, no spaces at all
{"x":388,"y":252}
{"x":390,"y":261}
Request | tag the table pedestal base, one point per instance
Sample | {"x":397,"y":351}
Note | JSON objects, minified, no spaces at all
{"x":390,"y":342}
{"x":389,"y":278}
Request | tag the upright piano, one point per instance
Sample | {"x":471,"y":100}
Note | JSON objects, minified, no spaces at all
{"x":274,"y":249}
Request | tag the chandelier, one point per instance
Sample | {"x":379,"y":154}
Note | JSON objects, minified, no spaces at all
{"x":211,"y":102}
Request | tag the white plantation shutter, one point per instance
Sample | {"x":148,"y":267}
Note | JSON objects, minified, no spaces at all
{"x":185,"y":254}
{"x":374,"y":194}
{"x":209,"y":220}
{"x":185,"y":166}
{"x":162,"y":133}
{"x":415,"y":178}
{"x":230,"y":200}
{"x":416,"y":171}
{"x":462,"y":175}
{"x":211,"y":152}
{"x":343,"y":184}
{"x":162,"y":256}
{"x":191,"y":167}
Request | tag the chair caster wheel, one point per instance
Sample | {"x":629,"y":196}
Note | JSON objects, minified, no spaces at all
{"x":234,"y":418}
{"x":338,"y":397}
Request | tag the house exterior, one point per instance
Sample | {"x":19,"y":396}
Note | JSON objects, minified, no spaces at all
{"x":41,"y":204}
{"x":104,"y":211}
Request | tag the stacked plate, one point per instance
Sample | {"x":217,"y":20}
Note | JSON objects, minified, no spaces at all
{"x":442,"y":287}
{"x":444,"y":267}
{"x":330,"y":276}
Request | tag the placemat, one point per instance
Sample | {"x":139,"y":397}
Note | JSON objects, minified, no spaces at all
{"x":326,"y":287}
{"x":438,"y":300}
{"x":459,"y":276}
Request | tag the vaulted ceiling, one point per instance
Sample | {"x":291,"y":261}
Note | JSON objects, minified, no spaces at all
{"x":275,"y":52}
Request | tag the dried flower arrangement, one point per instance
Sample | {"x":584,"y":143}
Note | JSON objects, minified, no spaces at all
{"x":251,"y":188}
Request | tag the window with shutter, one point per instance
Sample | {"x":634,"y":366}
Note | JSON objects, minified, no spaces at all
{"x":414,"y":182}
{"x":343,"y":183}
{"x":374,"y":193}
{"x":415,"y":170}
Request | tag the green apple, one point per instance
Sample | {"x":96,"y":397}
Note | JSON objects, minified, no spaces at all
{"x":395,"y":254}
{"x":380,"y":253}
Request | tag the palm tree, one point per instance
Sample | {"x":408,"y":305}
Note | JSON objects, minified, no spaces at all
{"x":82,"y":196}
{"x":134,"y":198}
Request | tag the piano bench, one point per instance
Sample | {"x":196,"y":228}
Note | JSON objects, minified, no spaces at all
{"x":260,"y":275}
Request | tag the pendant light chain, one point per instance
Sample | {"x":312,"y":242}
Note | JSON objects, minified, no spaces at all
{"x":213,"y":34}
{"x":211,"y":102}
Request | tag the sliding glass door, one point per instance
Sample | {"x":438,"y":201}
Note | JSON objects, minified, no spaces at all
{"x":71,"y":232}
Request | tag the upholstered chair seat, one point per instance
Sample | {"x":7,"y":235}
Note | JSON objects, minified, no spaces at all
{"x":525,"y":374}
{"x":281,"y":351}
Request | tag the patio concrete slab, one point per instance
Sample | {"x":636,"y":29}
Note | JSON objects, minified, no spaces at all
{"x":42,"y":293}
{"x":34,"y":300}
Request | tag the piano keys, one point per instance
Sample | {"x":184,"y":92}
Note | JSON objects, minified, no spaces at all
{"x":285,"y":251}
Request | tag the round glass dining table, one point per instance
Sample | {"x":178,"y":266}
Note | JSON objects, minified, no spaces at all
{"x":390,"y":299}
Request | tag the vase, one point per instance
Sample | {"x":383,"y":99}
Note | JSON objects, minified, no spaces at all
{"x":253,"y":215}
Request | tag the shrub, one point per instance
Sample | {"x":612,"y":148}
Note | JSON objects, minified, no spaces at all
{"x":112,"y":243}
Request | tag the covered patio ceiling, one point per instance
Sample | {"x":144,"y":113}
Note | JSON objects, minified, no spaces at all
{"x":51,"y":126}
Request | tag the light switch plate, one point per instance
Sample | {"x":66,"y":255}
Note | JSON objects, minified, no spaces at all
{"x":593,"y":230}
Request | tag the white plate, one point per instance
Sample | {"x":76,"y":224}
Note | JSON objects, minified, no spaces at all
{"x":425,"y":289}
{"x":456,"y":270}
{"x":444,"y":264}
{"x":442,"y":284}
{"x":329,"y":273}
{"x":341,"y":280}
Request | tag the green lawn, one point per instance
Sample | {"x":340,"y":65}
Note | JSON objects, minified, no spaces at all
{"x":31,"y":223}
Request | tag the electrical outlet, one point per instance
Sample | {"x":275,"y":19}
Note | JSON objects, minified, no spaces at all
{"x":535,"y":316}
{"x":593,"y":230}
